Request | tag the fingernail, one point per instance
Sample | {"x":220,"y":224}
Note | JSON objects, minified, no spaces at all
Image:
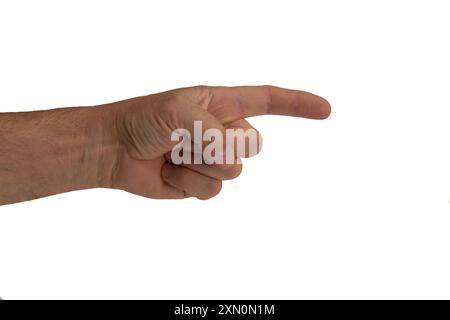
{"x":165,"y":171}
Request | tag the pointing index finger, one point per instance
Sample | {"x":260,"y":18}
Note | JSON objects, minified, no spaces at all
{"x":232,"y":103}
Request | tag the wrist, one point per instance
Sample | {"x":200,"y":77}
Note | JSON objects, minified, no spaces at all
{"x":108,"y":148}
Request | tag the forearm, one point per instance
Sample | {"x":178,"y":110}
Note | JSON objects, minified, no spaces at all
{"x":48,"y":152}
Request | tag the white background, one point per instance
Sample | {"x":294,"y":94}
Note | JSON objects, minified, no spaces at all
{"x":356,"y":206}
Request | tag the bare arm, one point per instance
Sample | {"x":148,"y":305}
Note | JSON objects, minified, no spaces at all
{"x":48,"y":152}
{"x":125,"y":145}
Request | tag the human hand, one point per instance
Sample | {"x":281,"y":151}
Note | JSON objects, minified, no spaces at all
{"x":143,"y":127}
